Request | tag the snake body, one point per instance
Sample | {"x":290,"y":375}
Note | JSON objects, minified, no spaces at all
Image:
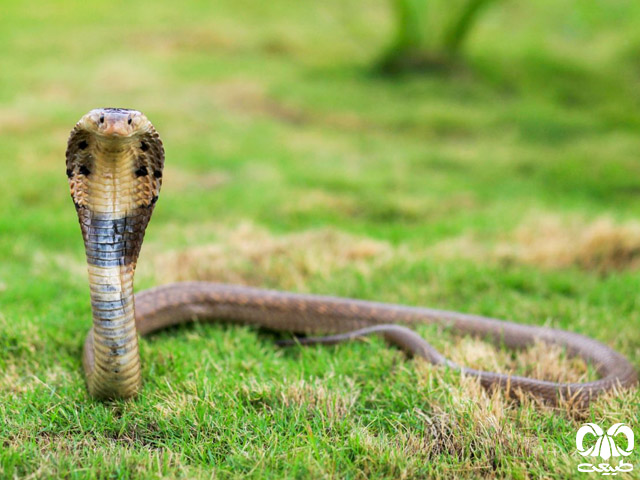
{"x":114,"y":164}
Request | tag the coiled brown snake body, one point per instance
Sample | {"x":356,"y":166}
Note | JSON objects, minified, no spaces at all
{"x":114,"y":164}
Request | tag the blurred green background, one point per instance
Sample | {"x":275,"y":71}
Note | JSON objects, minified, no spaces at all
{"x":499,"y":178}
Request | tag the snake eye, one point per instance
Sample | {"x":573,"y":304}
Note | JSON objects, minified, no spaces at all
{"x":101,"y":118}
{"x":129,"y":121}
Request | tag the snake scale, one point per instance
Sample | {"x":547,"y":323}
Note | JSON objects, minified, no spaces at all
{"x":114,"y":162}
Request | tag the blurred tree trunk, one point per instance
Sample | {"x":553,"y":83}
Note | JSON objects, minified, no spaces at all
{"x":429,"y":34}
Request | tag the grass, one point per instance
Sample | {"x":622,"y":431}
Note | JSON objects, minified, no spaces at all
{"x":289,"y":165}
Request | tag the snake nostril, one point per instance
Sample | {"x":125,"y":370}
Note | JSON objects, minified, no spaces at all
{"x":129,"y":121}
{"x":101,"y":118}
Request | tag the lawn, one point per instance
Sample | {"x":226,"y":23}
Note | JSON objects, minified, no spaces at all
{"x":508,"y":187}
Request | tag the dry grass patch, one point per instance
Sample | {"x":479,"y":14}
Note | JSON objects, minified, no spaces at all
{"x":12,"y":381}
{"x":189,"y":40}
{"x":501,"y":427}
{"x":602,"y":245}
{"x":553,"y":242}
{"x":614,"y":405}
{"x":541,"y":361}
{"x":180,"y":180}
{"x":334,"y":403}
{"x":56,"y":452}
{"x":75,"y":266}
{"x":250,"y":255}
{"x":477,"y":440}
{"x":496,"y":406}
{"x":108,"y":74}
{"x":14,"y":120}
{"x":314,"y":200}
{"x":250,"y":97}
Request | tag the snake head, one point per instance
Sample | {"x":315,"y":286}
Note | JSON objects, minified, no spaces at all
{"x":112,"y":123}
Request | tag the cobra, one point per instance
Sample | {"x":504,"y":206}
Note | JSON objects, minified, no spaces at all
{"x":115,"y":160}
